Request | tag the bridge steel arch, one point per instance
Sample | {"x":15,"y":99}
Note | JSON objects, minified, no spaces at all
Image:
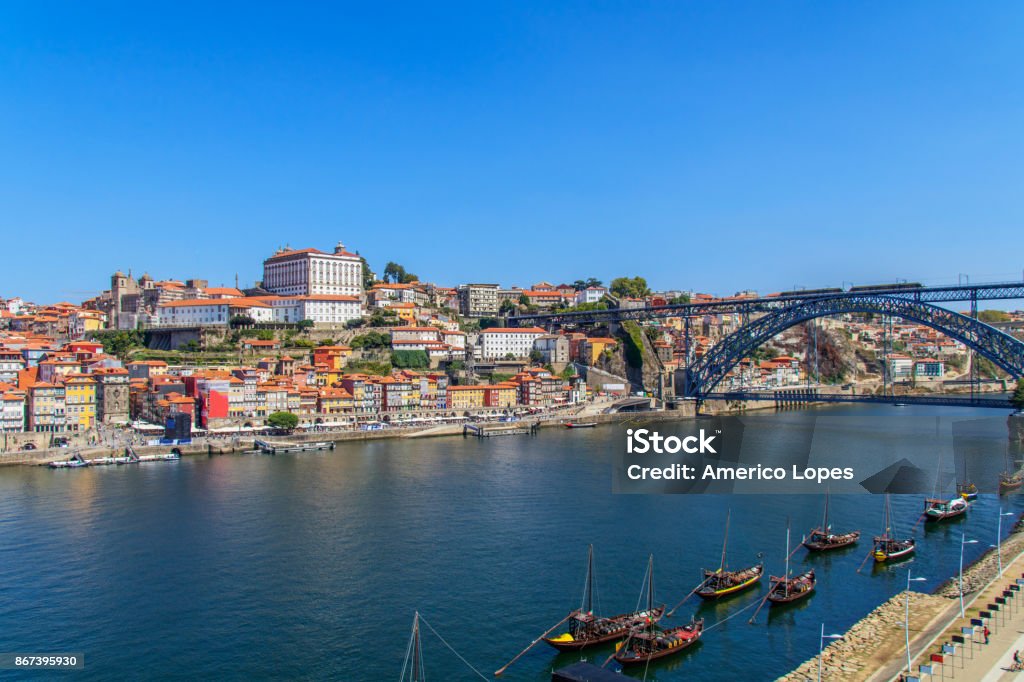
{"x":1002,"y":349}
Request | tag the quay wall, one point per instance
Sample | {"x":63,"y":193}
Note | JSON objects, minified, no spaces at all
{"x":228,"y":444}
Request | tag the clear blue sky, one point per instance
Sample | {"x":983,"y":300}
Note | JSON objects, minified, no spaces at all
{"x":706,"y":145}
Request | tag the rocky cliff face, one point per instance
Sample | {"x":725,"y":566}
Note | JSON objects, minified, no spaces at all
{"x":633,"y":358}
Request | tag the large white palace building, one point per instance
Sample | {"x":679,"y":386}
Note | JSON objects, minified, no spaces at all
{"x":307,"y":272}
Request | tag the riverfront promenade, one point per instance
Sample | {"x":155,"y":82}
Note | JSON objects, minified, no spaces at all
{"x":972,"y":659}
{"x":874,"y":649}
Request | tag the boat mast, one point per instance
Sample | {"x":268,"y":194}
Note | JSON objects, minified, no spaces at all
{"x":650,"y":584}
{"x":588,"y":589}
{"x":725,"y":541}
{"x":786,"y":574}
{"x":413,"y":655}
{"x":824,"y":521}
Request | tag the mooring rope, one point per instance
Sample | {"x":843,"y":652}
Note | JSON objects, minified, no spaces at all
{"x":452,"y":649}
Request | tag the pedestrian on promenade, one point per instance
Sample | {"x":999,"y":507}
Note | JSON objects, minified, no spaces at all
{"x":986,"y":632}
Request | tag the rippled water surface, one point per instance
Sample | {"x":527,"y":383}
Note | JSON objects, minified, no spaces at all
{"x":310,"y":566}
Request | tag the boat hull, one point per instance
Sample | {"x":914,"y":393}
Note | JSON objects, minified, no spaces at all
{"x":627,"y":623}
{"x":715,"y":594}
{"x":629,"y":657}
{"x":838,"y":542}
{"x":883,"y":557}
{"x":779,"y":597}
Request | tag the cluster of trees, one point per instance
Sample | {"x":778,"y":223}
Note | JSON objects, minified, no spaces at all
{"x":993,"y":316}
{"x":383,"y":317}
{"x":393,"y":272}
{"x":286,"y":421}
{"x":371,"y":340}
{"x":581,"y":284}
{"x":630,"y":287}
{"x":241,"y":321}
{"x":1018,"y":396}
{"x":410,"y":359}
{"x":119,"y":342}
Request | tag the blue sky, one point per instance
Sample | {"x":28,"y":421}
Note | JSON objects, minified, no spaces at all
{"x":715,"y":146}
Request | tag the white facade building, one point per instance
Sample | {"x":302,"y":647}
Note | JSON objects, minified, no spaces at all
{"x":321,"y":309}
{"x":12,"y":411}
{"x":307,"y":272}
{"x":590,"y":295}
{"x":499,"y":342}
{"x":212,"y":312}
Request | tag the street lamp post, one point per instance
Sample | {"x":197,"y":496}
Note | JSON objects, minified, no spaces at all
{"x":906,"y":626}
{"x":999,"y":540}
{"x":963,"y":541}
{"x":821,"y":647}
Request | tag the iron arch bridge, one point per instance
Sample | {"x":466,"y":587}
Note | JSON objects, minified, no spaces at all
{"x":1003,"y":350}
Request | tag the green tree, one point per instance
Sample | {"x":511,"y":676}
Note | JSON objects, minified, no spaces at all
{"x":507,"y":307}
{"x":489,"y":322}
{"x":1017,"y":399}
{"x":370,"y":340}
{"x":191,"y":346}
{"x":630,"y":287}
{"x":393,"y":272}
{"x":241,"y":321}
{"x":592,"y":282}
{"x":325,"y":342}
{"x":265,"y":334}
{"x":286,"y":421}
{"x":536,"y":356}
{"x":305,"y":324}
{"x":993,"y":316}
{"x":368,"y":277}
{"x":119,"y":342}
{"x":410,"y":359}
{"x":568,"y":372}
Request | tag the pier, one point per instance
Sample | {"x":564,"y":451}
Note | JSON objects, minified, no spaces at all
{"x":501,"y":429}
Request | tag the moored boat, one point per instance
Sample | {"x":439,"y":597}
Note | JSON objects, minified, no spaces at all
{"x":75,"y":462}
{"x":725,"y":583}
{"x":588,"y":629}
{"x":822,"y":539}
{"x":939,"y":510}
{"x":1010,"y":482}
{"x":968,"y":491}
{"x":887,"y":546}
{"x":654,"y":643}
{"x":580,"y":425}
{"x":786,"y":589}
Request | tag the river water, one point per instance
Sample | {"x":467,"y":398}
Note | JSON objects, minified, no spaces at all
{"x":310,"y":566}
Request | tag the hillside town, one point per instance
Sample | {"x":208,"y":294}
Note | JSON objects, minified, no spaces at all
{"x":321,"y":337}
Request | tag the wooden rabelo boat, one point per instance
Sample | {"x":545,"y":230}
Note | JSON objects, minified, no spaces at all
{"x":887,"y":546}
{"x":936,"y":509}
{"x":585,"y":628}
{"x":822,"y":539}
{"x":968,"y":491}
{"x":725,"y":583}
{"x":786,"y":588}
{"x":649,"y":642}
{"x":1010,"y":482}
